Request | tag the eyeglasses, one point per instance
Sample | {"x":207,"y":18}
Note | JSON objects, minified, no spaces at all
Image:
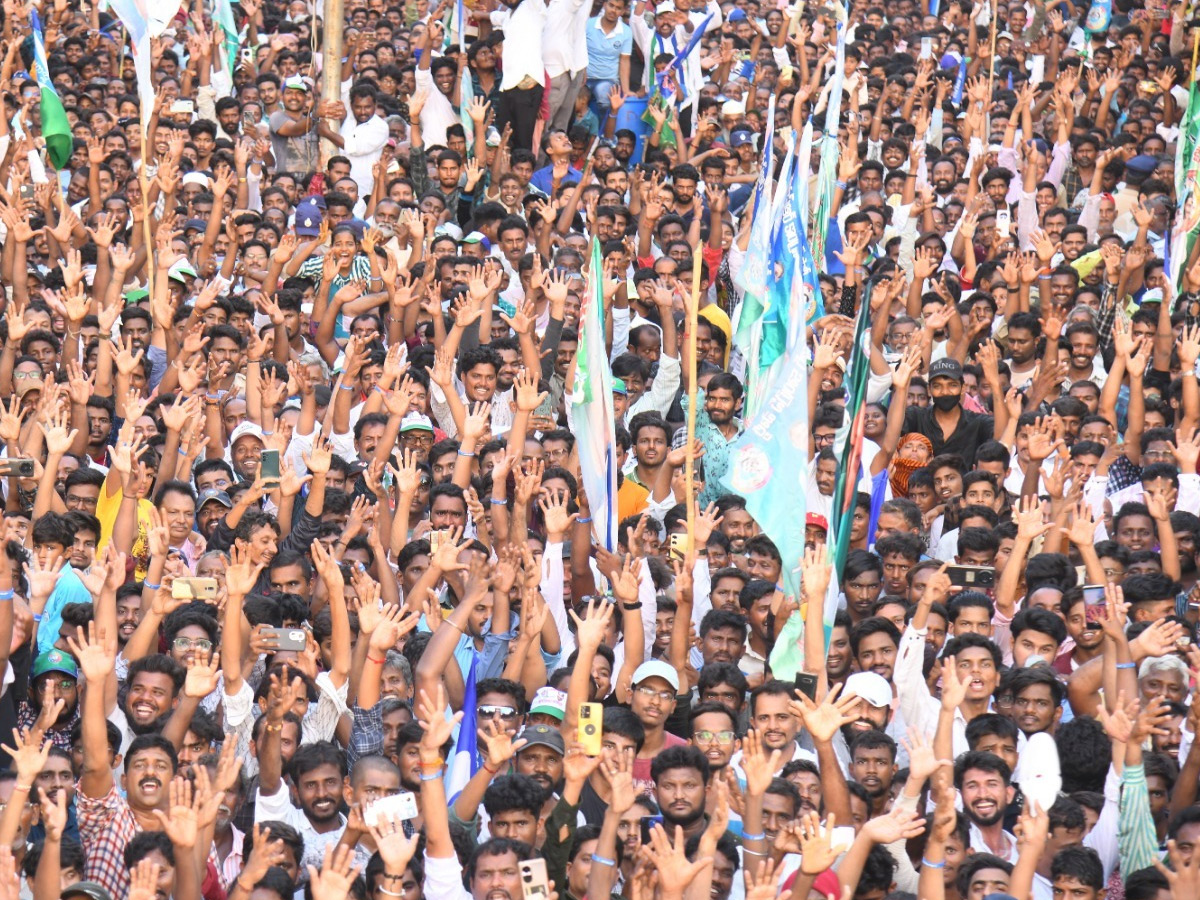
{"x":719,"y":737}
{"x":20,"y":376}
{"x":73,"y":500}
{"x":182,"y":643}
{"x":495,"y":712}
{"x":650,"y":693}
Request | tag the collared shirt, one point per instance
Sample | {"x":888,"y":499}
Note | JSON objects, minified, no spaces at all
{"x":522,"y":55}
{"x":106,"y":825}
{"x":232,"y":866}
{"x":566,"y":46}
{"x":972,"y":430}
{"x":363,"y":144}
{"x":605,"y":49}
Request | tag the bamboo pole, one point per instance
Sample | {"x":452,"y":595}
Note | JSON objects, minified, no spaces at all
{"x":690,"y":460}
{"x":331,"y":64}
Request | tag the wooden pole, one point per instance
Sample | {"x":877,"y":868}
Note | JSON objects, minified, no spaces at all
{"x":689,"y":469}
{"x":331,"y":63}
{"x":992,"y":58}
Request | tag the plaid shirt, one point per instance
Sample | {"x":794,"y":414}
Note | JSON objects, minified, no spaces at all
{"x":106,"y":825}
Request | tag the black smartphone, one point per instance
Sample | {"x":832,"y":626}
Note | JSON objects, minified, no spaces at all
{"x":972,"y":577}
{"x":649,"y":822}
{"x":807,"y":685}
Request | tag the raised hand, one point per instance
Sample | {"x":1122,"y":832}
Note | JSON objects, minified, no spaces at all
{"x":758,"y":767}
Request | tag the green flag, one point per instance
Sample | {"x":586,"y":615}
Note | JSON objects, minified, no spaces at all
{"x":56,"y":130}
{"x":223,"y":14}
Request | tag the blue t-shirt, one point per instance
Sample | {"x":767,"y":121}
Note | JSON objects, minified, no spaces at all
{"x":605,"y":50}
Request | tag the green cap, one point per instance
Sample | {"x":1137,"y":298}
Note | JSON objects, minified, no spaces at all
{"x":55,"y":661}
{"x":137,"y":295}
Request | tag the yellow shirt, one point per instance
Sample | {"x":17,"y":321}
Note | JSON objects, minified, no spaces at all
{"x":107,"y":508}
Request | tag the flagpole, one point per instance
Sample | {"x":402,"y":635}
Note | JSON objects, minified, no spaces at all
{"x":331,"y":63}
{"x":992,"y":58}
{"x":690,"y":459}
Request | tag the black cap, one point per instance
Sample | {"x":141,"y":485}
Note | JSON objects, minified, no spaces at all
{"x":946,"y":368}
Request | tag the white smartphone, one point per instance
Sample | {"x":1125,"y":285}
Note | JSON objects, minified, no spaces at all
{"x":397,"y":806}
{"x":183,"y":107}
{"x":926,"y":48}
{"x":1037,"y":69}
{"x":1004,"y":222}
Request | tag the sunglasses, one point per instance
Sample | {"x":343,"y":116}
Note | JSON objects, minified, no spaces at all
{"x":492,"y":712}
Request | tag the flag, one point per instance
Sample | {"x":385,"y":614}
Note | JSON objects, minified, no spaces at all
{"x":769,"y":460}
{"x":824,"y":220}
{"x":1099,"y":16}
{"x":1187,"y":156}
{"x":465,"y":762}
{"x":591,"y":410}
{"x":466,"y":94}
{"x":752,"y":279}
{"x":143,"y":20}
{"x":848,"y":449}
{"x":783,"y":267}
{"x":688,"y":74}
{"x":223,"y":16}
{"x":56,"y":130}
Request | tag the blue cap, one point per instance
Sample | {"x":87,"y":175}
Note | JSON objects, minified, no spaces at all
{"x":740,"y":137}
{"x":736,"y":15}
{"x":308,"y":218}
{"x":358,"y":226}
{"x":1142,"y":164}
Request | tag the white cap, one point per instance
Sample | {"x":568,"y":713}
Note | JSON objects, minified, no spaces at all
{"x":871,"y":687}
{"x":665,"y":8}
{"x":656,"y":668}
{"x":733,"y":108}
{"x":246,"y":429}
{"x":196,"y":178}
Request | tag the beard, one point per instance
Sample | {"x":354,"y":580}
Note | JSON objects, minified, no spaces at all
{"x":997,"y":816}
{"x":684,"y":821}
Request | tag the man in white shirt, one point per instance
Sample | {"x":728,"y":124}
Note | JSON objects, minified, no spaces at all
{"x":521,"y":89}
{"x":565,"y":44}
{"x":361,"y":136}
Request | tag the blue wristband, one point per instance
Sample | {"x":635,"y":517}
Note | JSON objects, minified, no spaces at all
{"x":747,"y":836}
{"x":37,"y":617}
{"x":346,"y":387}
{"x":604,"y":860}
{"x":1127,"y":665}
{"x":6,"y":595}
{"x":582,"y":521}
{"x":433,"y":777}
{"x":497,"y":501}
{"x":466,"y":454}
{"x":153,"y":587}
{"x":932,"y":865}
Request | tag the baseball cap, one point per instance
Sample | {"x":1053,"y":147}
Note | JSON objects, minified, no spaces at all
{"x":946,"y":368}
{"x":542,"y":735}
{"x":25,"y":385}
{"x":86,"y":889}
{"x":246,"y":429}
{"x":295,"y":83}
{"x":415,"y":421}
{"x":1154,"y":295}
{"x":870,"y":686}
{"x":492,"y":138}
{"x":740,"y":137}
{"x":198,"y":178}
{"x":213,"y":494}
{"x":137,"y":295}
{"x":619,"y":386}
{"x":308,"y":218}
{"x":733,"y":108}
{"x":478,"y":237}
{"x":816,"y":519}
{"x":180,"y":270}
{"x":736,"y":15}
{"x":195,"y":225}
{"x":54,"y":661}
{"x":358,"y":226}
{"x":656,"y":668}
{"x":665,"y":8}
{"x":550,"y":702}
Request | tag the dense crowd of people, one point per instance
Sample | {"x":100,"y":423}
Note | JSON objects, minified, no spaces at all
{"x":308,"y":591}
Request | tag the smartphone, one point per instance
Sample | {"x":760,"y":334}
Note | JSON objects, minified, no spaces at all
{"x":1149,"y":86}
{"x":435,"y":541}
{"x":268,"y":468}
{"x":22,"y":468}
{"x":546,"y":407}
{"x":926,"y":48}
{"x":1094,"y":605}
{"x":591,"y":727}
{"x":183,"y":107}
{"x":677,"y":546}
{"x":843,"y":836}
{"x":249,"y":126}
{"x":972,"y":576}
{"x":535,"y":883}
{"x":649,"y":822}
{"x":194,"y":589}
{"x":1003,"y":222}
{"x":287,"y":638}
{"x":807,"y":685}
{"x":398,"y":806}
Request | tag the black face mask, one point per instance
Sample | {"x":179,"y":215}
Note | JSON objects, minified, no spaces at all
{"x":946,"y":402}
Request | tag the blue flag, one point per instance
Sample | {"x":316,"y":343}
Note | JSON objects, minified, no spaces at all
{"x":465,"y":762}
